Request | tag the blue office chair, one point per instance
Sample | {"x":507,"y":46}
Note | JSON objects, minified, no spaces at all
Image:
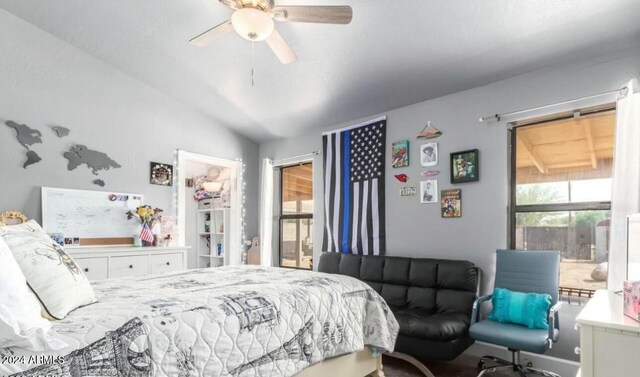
{"x":521,"y":271}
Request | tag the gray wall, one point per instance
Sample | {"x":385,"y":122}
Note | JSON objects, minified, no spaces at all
{"x":415,"y":229}
{"x":44,"y":81}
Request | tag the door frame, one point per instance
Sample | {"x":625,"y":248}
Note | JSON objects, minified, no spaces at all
{"x":236,"y":212}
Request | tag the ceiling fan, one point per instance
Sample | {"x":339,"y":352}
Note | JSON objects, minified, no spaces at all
{"x":253,"y":21}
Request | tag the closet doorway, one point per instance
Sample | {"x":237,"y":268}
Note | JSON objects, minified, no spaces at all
{"x":208,"y":204}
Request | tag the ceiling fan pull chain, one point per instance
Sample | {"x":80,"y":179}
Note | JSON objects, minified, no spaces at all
{"x":252,"y":43}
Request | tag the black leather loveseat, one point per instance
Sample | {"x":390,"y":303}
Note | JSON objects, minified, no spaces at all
{"x":432,"y":299}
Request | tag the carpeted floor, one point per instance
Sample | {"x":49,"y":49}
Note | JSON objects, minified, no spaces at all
{"x":463,"y":366}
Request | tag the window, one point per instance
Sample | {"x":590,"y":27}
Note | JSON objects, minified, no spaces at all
{"x":561,"y":194}
{"x":296,"y":216}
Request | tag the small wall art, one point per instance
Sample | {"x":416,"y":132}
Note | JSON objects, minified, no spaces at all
{"x":400,"y":154}
{"x":430,"y":173}
{"x":465,"y":166}
{"x":429,"y":132}
{"x":429,"y":154}
{"x":451,"y":203}
{"x":407,"y":191}
{"x":161,"y":174}
{"x":402,"y":177}
{"x":429,"y":191}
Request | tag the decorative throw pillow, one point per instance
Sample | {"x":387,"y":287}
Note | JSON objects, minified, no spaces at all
{"x":528,"y":309}
{"x":54,"y":277}
{"x":20,"y":322}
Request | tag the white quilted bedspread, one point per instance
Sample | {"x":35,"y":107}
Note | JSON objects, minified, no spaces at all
{"x":229,"y":321}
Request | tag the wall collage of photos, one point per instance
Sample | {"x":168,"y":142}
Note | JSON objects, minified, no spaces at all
{"x":463,"y":168}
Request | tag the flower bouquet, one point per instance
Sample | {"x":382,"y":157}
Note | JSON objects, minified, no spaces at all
{"x":148,"y":217}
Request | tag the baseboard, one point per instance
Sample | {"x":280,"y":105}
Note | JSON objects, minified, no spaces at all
{"x":565,"y":368}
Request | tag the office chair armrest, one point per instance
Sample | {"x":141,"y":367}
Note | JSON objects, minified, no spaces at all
{"x":552,"y":318}
{"x":476,"y":307}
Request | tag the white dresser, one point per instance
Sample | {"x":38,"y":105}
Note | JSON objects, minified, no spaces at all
{"x":107,"y":262}
{"x":609,"y":341}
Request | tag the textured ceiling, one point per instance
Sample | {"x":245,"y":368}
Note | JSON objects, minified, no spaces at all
{"x":393,"y":54}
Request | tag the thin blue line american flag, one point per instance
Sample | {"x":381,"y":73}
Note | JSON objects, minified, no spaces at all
{"x":354,"y":167}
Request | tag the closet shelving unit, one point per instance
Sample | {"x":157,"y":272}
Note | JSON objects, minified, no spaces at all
{"x":213,"y":236}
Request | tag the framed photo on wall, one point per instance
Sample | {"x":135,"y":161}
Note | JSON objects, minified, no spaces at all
{"x":465,"y":166}
{"x":451,"y":203}
{"x":400,"y":154}
{"x":429,"y":154}
{"x":429,"y":191}
{"x":161,"y":174}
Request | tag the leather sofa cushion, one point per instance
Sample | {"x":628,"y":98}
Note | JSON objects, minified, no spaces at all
{"x":424,"y":273}
{"x":457,"y":275}
{"x":394,"y":295}
{"x":350,"y":265}
{"x":329,"y":263}
{"x":421,"y":299}
{"x":450,"y":300}
{"x":396,"y":271}
{"x":431,"y":285}
{"x":372,"y":269}
{"x":439,"y":326}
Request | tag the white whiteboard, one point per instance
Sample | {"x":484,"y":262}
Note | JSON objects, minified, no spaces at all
{"x":89,"y":214}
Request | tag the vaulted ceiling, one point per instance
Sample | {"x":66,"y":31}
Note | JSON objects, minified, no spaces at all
{"x":393,"y":54}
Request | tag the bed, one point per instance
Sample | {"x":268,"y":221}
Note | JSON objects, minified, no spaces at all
{"x":230,"y":321}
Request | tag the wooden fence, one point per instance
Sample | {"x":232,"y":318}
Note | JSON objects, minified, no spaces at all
{"x":576,"y":243}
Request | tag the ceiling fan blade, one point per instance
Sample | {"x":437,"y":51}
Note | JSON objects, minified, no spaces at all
{"x":212,"y":34}
{"x":316,"y":14}
{"x":280,"y":47}
{"x":233,"y":4}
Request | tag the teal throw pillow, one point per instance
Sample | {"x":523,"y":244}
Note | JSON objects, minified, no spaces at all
{"x":528,"y":309}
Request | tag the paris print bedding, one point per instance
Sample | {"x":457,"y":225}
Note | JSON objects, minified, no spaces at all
{"x":229,"y":321}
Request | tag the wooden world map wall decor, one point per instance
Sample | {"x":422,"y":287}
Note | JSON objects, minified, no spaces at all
{"x":27,"y":137}
{"x":76,"y":155}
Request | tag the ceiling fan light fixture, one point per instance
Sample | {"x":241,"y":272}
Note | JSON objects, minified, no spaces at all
{"x":252,"y":24}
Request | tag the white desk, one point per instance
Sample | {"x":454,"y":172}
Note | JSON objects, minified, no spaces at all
{"x":107,"y":262}
{"x":609,"y":340}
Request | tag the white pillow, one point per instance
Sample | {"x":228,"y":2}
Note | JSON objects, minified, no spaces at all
{"x":20,"y":322}
{"x":54,"y":277}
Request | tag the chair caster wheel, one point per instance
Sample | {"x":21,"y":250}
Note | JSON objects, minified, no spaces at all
{"x":530,"y":364}
{"x":480,"y":364}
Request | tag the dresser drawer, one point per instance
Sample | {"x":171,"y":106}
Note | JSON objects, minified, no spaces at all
{"x":166,"y":263}
{"x":615,"y":353}
{"x":128,"y":266}
{"x":94,"y":268}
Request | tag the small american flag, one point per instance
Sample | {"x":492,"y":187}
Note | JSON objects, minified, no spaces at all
{"x":145,"y":234}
